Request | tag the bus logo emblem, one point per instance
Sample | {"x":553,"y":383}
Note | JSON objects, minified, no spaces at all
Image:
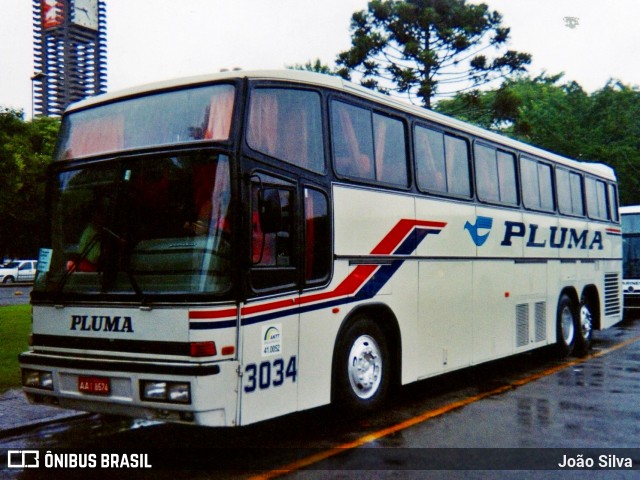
{"x":482,"y":223}
{"x":23,"y":459}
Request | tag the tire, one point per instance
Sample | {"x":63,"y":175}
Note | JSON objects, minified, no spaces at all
{"x":566,"y":326}
{"x":362,"y":368}
{"x":8,"y":280}
{"x":585,"y":329}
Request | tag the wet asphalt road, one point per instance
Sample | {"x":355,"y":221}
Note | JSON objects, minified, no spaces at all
{"x":521,"y":413}
{"x":14,"y":294}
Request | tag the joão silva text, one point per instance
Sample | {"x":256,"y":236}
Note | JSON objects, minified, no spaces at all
{"x":604,"y":461}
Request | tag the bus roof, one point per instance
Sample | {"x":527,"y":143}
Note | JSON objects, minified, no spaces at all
{"x":629,"y":209}
{"x":337,"y":83}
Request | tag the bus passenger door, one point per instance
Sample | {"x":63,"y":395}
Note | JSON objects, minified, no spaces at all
{"x":270,"y":315}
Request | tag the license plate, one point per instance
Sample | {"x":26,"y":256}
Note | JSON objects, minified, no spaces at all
{"x":94,"y":385}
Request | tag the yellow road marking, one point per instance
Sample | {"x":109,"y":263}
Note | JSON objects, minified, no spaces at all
{"x":373,"y":436}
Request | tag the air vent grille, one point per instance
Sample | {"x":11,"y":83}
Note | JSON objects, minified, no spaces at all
{"x":612,"y":304}
{"x":541,"y":321}
{"x":522,"y":325}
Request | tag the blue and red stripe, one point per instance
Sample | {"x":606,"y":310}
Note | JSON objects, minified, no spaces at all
{"x":363,"y":283}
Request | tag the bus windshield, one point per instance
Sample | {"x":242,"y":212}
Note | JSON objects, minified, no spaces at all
{"x":631,"y":257}
{"x":151,"y":225}
{"x":631,"y":246}
{"x":166,"y":118}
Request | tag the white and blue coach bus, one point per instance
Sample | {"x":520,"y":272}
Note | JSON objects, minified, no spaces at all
{"x":231,"y":248}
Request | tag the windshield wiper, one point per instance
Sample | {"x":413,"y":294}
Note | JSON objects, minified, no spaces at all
{"x":132,"y":280}
{"x":85,"y":253}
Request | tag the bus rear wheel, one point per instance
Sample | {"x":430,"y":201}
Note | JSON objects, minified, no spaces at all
{"x":585,"y":329}
{"x":362,"y":367}
{"x":566,"y":326}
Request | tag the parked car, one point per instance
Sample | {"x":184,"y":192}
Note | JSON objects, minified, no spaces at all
{"x":18,"y":271}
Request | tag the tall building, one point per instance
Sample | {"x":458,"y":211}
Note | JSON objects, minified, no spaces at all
{"x":70,"y":53}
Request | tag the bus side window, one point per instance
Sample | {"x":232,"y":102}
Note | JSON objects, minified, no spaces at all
{"x":507,"y":181}
{"x":429,"y":146}
{"x":457,"y":163}
{"x":569,"y":192}
{"x":352,"y":141}
{"x":547,"y":201}
{"x":273,"y":260}
{"x":317,"y":229}
{"x":577,"y":196}
{"x":596,"y":199}
{"x":537,"y":185}
{"x":613,"y":202}
{"x":368,"y":145}
{"x":265,"y":230}
{"x":530,"y":187}
{"x":390,"y":150}
{"x":287,"y":124}
{"x":564,"y":191}
{"x":442,"y":162}
{"x":486,"y":173}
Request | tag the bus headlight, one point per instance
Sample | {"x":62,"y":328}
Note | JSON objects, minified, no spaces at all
{"x":163,"y":391}
{"x":179,"y":392}
{"x":37,"y":379}
{"x":154,"y":390}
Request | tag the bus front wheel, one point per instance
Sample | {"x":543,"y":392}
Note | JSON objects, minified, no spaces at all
{"x":362,"y":366}
{"x":567,"y":326}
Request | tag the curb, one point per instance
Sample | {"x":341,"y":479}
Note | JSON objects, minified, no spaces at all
{"x":17,"y":415}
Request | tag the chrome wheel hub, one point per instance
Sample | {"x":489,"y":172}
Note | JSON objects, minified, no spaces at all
{"x":568,"y":328}
{"x":586,"y":322}
{"x":365,"y":367}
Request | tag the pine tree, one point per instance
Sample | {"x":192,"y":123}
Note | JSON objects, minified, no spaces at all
{"x":428,"y":48}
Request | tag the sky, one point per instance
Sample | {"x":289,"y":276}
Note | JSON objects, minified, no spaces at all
{"x":591,"y":41}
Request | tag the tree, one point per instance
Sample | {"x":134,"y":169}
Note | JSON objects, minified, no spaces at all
{"x":313,"y":66}
{"x":563,"y":118}
{"x":538,"y":111}
{"x":26,"y":149}
{"x":613,"y":131}
{"x":428,"y":48}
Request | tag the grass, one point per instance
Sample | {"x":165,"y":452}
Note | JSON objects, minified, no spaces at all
{"x":15,"y":327}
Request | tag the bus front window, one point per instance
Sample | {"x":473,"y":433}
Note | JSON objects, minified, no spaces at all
{"x":157,"y":225}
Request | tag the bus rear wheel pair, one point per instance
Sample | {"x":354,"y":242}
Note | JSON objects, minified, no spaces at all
{"x":574,"y":326}
{"x":362,"y":362}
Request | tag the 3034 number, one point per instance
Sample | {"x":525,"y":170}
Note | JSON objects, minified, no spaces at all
{"x":269,"y":374}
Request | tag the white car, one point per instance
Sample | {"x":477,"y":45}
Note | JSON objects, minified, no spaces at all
{"x":18,"y":271}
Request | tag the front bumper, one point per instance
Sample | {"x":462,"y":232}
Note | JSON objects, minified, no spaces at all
{"x":213,"y":387}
